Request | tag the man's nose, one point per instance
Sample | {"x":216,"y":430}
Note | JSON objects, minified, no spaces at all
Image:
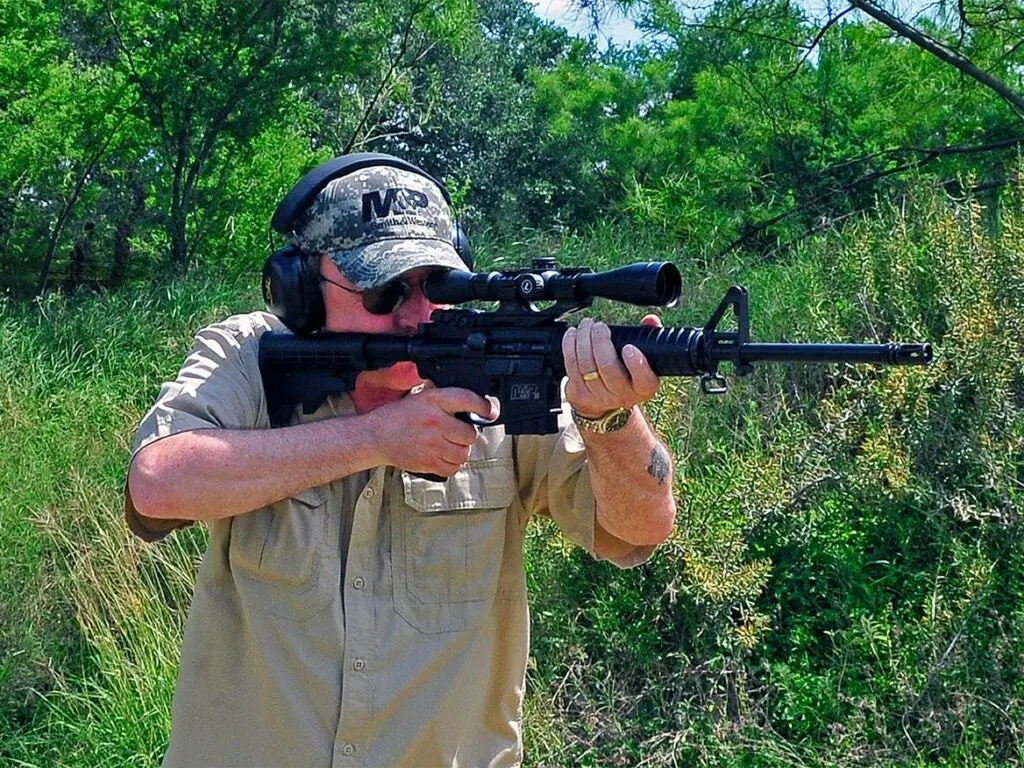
{"x":415,"y":310}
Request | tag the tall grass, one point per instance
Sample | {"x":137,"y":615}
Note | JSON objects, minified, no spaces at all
{"x":845,"y":586}
{"x":90,"y":620}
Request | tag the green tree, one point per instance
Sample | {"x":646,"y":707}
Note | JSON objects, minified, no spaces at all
{"x":472,"y":115}
{"x":59,"y":116}
{"x":757,"y":125}
{"x":146,"y":115}
{"x":206,"y":77}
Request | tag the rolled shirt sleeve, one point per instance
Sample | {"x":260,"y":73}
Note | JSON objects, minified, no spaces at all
{"x":217,"y":387}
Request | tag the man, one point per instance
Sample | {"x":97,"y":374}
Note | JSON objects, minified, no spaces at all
{"x":349,"y":612}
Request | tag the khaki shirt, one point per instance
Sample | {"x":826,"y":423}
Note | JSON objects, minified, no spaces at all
{"x":379,"y":620}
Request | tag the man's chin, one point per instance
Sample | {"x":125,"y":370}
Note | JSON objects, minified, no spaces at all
{"x":404,"y":376}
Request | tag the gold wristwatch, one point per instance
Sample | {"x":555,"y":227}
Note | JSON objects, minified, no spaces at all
{"x":612,"y":421}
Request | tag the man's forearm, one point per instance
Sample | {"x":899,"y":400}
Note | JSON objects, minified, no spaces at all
{"x":631,"y":475}
{"x":207,"y":474}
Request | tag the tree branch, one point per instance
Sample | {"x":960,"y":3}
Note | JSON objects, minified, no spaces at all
{"x":742,"y":31}
{"x":940,"y":50}
{"x":385,"y":81}
{"x":930,"y":155}
{"x":76,"y":192}
{"x":814,"y":44}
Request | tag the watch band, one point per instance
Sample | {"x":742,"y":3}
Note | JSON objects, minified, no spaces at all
{"x":612,"y":421}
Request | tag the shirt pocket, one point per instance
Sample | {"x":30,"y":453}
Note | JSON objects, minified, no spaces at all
{"x":281,"y":556}
{"x":448,"y":541}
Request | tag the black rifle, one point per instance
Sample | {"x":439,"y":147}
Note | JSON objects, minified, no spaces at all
{"x":515,"y":353}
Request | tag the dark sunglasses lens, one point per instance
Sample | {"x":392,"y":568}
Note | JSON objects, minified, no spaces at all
{"x":384,"y":300}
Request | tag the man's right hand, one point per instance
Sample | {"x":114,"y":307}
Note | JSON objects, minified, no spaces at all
{"x":420,"y":433}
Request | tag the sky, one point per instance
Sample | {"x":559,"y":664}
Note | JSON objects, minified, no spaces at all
{"x":616,"y":27}
{"x":620,"y":30}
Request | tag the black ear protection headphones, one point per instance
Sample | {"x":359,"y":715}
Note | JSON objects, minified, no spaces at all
{"x":291,"y":277}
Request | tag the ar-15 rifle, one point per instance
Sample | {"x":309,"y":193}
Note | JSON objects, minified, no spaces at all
{"x":515,"y":353}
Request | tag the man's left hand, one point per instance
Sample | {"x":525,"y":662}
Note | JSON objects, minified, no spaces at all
{"x":599,"y":380}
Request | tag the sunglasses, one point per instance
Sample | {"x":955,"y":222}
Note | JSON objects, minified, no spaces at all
{"x":382,"y":300}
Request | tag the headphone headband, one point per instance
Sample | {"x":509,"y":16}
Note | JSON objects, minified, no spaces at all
{"x":310,"y":185}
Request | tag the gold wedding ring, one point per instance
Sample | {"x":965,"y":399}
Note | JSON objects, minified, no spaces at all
{"x":591,"y":376}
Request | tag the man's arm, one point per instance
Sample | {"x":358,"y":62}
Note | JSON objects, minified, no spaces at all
{"x":631,"y":475}
{"x":205,"y":474}
{"x":630,"y":469}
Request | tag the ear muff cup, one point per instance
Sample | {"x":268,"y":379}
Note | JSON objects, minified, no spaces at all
{"x":291,"y":278}
{"x":291,"y":290}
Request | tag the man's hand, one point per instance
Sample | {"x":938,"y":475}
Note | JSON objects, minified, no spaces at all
{"x":599,"y":381}
{"x":421,"y":434}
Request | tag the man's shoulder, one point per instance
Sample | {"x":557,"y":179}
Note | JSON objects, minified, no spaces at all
{"x":231,"y":343}
{"x":248,"y":325}
{"x":238,"y":332}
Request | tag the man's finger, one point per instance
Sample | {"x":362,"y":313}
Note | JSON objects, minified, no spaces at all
{"x":461,"y":434}
{"x":458,"y":400}
{"x":454,"y":453}
{"x":613,"y":375}
{"x":645,"y":380}
{"x":569,"y":350}
{"x":585,"y":351}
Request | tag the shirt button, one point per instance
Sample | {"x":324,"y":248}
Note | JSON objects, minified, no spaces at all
{"x":348,"y":750}
{"x":358,"y":582}
{"x":358,"y":665}
{"x":368,"y":493}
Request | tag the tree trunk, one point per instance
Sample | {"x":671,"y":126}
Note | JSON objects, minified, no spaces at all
{"x":123,"y":231}
{"x":179,"y":241}
{"x":73,"y":199}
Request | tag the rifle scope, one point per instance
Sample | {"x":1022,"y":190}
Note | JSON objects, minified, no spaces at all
{"x":653,"y":283}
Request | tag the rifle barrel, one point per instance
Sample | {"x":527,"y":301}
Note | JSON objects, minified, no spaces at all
{"x":887,"y":354}
{"x":691,"y":352}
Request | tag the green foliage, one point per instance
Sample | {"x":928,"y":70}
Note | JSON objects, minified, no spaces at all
{"x":153,"y":122}
{"x":142,"y":128}
{"x":87,"y":616}
{"x":843,"y":584}
{"x":843,"y":587}
{"x":729,"y":130}
{"x":471,"y":117}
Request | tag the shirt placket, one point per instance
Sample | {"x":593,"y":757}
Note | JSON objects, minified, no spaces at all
{"x":360,"y":651}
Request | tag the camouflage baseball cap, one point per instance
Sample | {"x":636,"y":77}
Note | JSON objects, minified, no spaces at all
{"x":379,"y":223}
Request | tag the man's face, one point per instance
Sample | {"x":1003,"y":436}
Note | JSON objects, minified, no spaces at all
{"x":345,"y":313}
{"x":345,"y":310}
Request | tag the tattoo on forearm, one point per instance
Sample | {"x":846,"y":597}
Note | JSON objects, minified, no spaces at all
{"x":659,"y":466}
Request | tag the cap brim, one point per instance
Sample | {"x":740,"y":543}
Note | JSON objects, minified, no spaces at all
{"x":373,"y":265}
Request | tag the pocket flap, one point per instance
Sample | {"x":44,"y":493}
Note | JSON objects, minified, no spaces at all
{"x":484,"y":484}
{"x":312,"y":497}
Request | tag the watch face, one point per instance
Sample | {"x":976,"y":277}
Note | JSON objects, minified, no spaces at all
{"x":615,"y":421}
{"x":610,"y":422}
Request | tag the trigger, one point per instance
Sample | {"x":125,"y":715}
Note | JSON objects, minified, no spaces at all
{"x":473,"y":419}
